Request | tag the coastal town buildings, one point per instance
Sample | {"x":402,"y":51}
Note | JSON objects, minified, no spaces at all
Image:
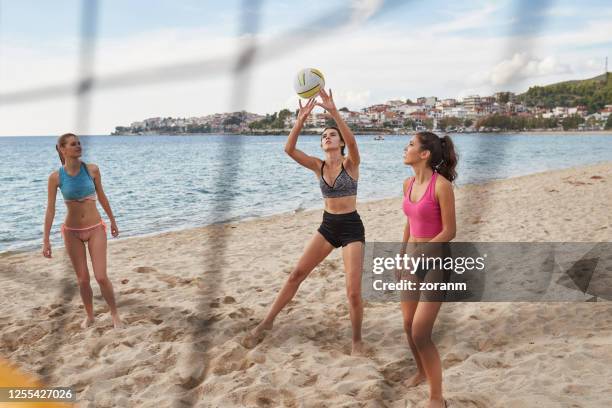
{"x":391,"y":115}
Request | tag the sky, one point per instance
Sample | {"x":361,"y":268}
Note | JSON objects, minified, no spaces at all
{"x":167,"y":58}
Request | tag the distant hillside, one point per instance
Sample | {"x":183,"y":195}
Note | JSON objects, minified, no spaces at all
{"x":594,"y":93}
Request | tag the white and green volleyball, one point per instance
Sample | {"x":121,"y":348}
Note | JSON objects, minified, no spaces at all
{"x":308,"y":82}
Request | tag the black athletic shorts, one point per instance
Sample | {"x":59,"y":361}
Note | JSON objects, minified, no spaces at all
{"x":342,"y":229}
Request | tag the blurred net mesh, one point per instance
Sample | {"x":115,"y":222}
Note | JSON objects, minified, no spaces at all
{"x":349,"y":15}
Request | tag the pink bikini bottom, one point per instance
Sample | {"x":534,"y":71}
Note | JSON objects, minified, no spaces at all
{"x":82,"y":233}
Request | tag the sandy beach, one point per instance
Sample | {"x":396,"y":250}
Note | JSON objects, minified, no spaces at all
{"x":189,"y":298}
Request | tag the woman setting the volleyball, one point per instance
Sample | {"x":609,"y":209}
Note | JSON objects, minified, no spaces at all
{"x":341,"y":226}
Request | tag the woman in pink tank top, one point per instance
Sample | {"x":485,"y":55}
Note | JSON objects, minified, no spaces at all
{"x":429,"y":205}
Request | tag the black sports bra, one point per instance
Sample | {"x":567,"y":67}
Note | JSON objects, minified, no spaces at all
{"x":343,"y":186}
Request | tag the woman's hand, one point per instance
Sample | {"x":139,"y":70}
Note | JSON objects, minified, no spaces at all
{"x":306,"y":109}
{"x":411,"y":252}
{"x":398,"y":274}
{"x":114,"y":229}
{"x":46,"y":249}
{"x":327,"y":101}
{"x":403,"y":273}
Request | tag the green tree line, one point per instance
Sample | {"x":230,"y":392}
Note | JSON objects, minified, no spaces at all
{"x":593,"y":93}
{"x":273,"y":121}
{"x":529,"y":122}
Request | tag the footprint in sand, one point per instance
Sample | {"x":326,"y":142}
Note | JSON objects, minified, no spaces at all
{"x":167,"y":334}
{"x":311,"y":380}
{"x":266,"y":397}
{"x":10,"y":340}
{"x":251,"y":340}
{"x":96,"y":348}
{"x":172,"y":281}
{"x":241,"y":313}
{"x":489,"y":362}
{"x":133,"y":320}
{"x":232,"y":360}
{"x":168,"y":279}
{"x":469,"y":400}
{"x":57,"y":312}
{"x":396,"y":371}
{"x":263,"y":401}
{"x":130,"y":291}
{"x":144,"y":269}
{"x":453,"y":358}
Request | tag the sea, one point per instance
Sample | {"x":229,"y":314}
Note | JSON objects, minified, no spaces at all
{"x":164,"y":183}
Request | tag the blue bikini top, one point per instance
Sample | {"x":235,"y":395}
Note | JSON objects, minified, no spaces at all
{"x":79,"y":187}
{"x":343,"y":186}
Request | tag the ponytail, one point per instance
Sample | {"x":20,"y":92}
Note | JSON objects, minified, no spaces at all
{"x":447,"y":164}
{"x":443,"y":158}
{"x":61,"y":141}
{"x":59,"y":153}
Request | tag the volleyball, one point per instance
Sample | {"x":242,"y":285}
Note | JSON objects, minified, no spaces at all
{"x":308,"y":82}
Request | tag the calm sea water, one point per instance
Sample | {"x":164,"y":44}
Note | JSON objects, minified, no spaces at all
{"x":161,"y":183}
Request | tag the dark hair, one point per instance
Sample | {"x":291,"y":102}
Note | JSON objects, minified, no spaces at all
{"x":61,"y":141}
{"x":339,"y":134}
{"x":443,"y":158}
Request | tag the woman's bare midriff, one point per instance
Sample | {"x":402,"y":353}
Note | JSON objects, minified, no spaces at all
{"x":341,"y":205}
{"x":82,"y":214}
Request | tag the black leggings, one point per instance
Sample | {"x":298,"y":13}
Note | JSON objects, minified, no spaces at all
{"x":342,"y":229}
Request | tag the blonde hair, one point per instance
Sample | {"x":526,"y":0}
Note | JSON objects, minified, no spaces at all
{"x":61,"y":141}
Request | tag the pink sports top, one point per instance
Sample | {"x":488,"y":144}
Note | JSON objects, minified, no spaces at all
{"x":424,"y":215}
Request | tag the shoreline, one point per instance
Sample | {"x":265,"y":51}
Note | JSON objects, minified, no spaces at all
{"x":360,"y":202}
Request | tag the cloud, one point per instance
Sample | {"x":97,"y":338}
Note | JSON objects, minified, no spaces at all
{"x":521,"y":66}
{"x":363,"y":10}
{"x":594,"y":64}
{"x":363,"y":66}
{"x":560,"y":11}
{"x":470,"y":20}
{"x":353,"y":99}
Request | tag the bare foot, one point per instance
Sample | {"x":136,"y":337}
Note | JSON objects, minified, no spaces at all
{"x":87,"y":322}
{"x":415,"y":380}
{"x":436,"y":403}
{"x":261,"y":328}
{"x":117,"y":322}
{"x":358,"y":349}
{"x":256,"y":335}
